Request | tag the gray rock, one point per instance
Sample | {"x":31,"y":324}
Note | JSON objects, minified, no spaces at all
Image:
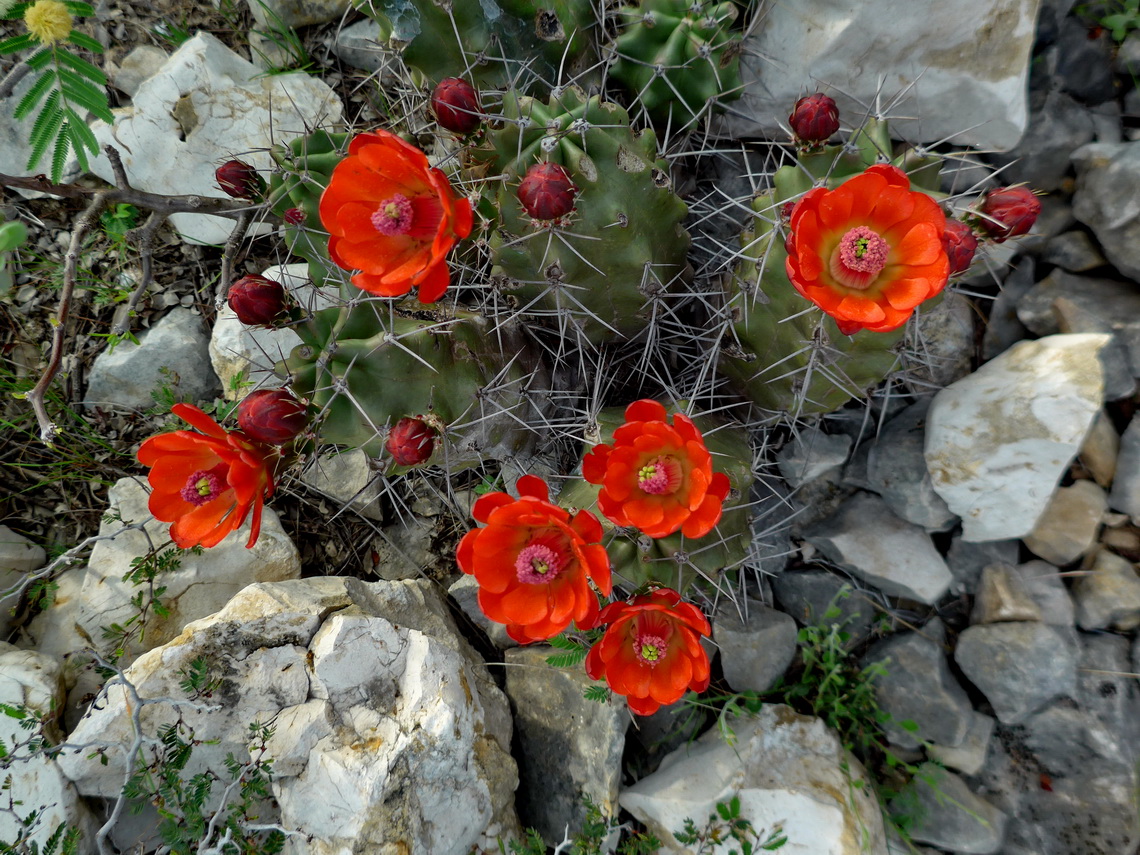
{"x":1081,"y":63}
{"x":754,"y":651}
{"x":896,"y":470}
{"x":359,"y":45}
{"x":1115,"y":357}
{"x":1067,"y":529}
{"x":967,"y":559}
{"x":1107,"y":687}
{"x":465,"y":592}
{"x":772,"y":512}
{"x":919,"y":687}
{"x":1002,"y":597}
{"x":948,"y":815}
{"x":1056,"y":217}
{"x":1057,"y":126}
{"x":1125,"y":493}
{"x":1099,"y":451}
{"x":1108,"y":184}
{"x":807,"y":595}
{"x":866,"y":539}
{"x":787,"y":769}
{"x":18,"y":557}
{"x":348,"y":477}
{"x":1004,"y":328}
{"x":942,"y":349}
{"x":810,"y":455}
{"x":278,"y":14}
{"x":1019,"y":667}
{"x":1107,"y":593}
{"x":1074,"y":251}
{"x":1092,"y":813}
{"x":138,"y":65}
{"x":998,"y":441}
{"x":1042,"y":582}
{"x":1117,"y":303}
{"x":174,"y":352}
{"x":570,"y":746}
{"x":1067,"y":741}
{"x":969,"y":756}
{"x":970,"y":60}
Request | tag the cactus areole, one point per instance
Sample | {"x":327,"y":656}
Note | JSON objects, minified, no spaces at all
{"x":546,"y":192}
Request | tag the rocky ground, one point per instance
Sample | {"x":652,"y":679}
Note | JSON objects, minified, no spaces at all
{"x":940,"y":615}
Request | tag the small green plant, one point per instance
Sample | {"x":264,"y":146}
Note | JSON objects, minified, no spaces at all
{"x":147,"y":602}
{"x":591,"y":840}
{"x":1120,"y":17}
{"x":117,"y":220}
{"x":727,"y":825}
{"x":65,"y":88}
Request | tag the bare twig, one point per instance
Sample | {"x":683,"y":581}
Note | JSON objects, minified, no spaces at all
{"x":143,"y":239}
{"x":228,"y":256}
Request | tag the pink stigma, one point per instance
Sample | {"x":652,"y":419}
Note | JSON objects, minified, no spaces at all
{"x":859,"y":258}
{"x":660,"y":476}
{"x":201,"y":487}
{"x":536,"y":564}
{"x":650,"y":649}
{"x":394,"y":216}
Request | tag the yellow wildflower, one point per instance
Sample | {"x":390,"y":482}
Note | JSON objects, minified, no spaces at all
{"x":48,"y":20}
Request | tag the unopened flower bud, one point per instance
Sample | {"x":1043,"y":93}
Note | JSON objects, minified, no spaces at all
{"x":960,"y":244}
{"x":239,"y":180}
{"x":814,"y":119}
{"x":294,"y":216}
{"x":272,"y":416}
{"x":456,"y":105}
{"x":410,"y":441}
{"x":1008,"y":212}
{"x":256,"y":300}
{"x":546,"y":192}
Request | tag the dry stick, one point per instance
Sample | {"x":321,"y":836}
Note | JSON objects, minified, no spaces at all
{"x":161,"y":208}
{"x":228,"y":255}
{"x":12,"y":79}
{"x":143,"y":239}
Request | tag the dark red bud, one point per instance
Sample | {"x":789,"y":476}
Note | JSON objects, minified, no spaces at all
{"x":1009,"y":212}
{"x":256,"y":300}
{"x":546,"y":192}
{"x":960,"y":244}
{"x":410,"y":441}
{"x":239,"y":180}
{"x":294,"y":216}
{"x":814,"y":119}
{"x":456,"y":105}
{"x":271,"y":416}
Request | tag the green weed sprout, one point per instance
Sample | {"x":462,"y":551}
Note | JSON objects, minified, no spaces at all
{"x":66,"y":85}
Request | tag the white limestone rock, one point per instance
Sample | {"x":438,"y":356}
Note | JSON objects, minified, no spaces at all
{"x":32,"y":679}
{"x":199,"y":587}
{"x":786,"y":770}
{"x":348,"y":477}
{"x":959,"y":69}
{"x":999,"y":440}
{"x":391,"y":735}
{"x":243,"y":356}
{"x":204,"y":106}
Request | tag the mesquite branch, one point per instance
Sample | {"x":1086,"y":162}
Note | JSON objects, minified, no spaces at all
{"x":100,"y":198}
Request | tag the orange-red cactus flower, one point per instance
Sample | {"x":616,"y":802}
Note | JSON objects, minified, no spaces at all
{"x":533,"y":562}
{"x":869,"y":251}
{"x":393,"y":218}
{"x":657,"y":476}
{"x":206,"y":483}
{"x":651,"y":651}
